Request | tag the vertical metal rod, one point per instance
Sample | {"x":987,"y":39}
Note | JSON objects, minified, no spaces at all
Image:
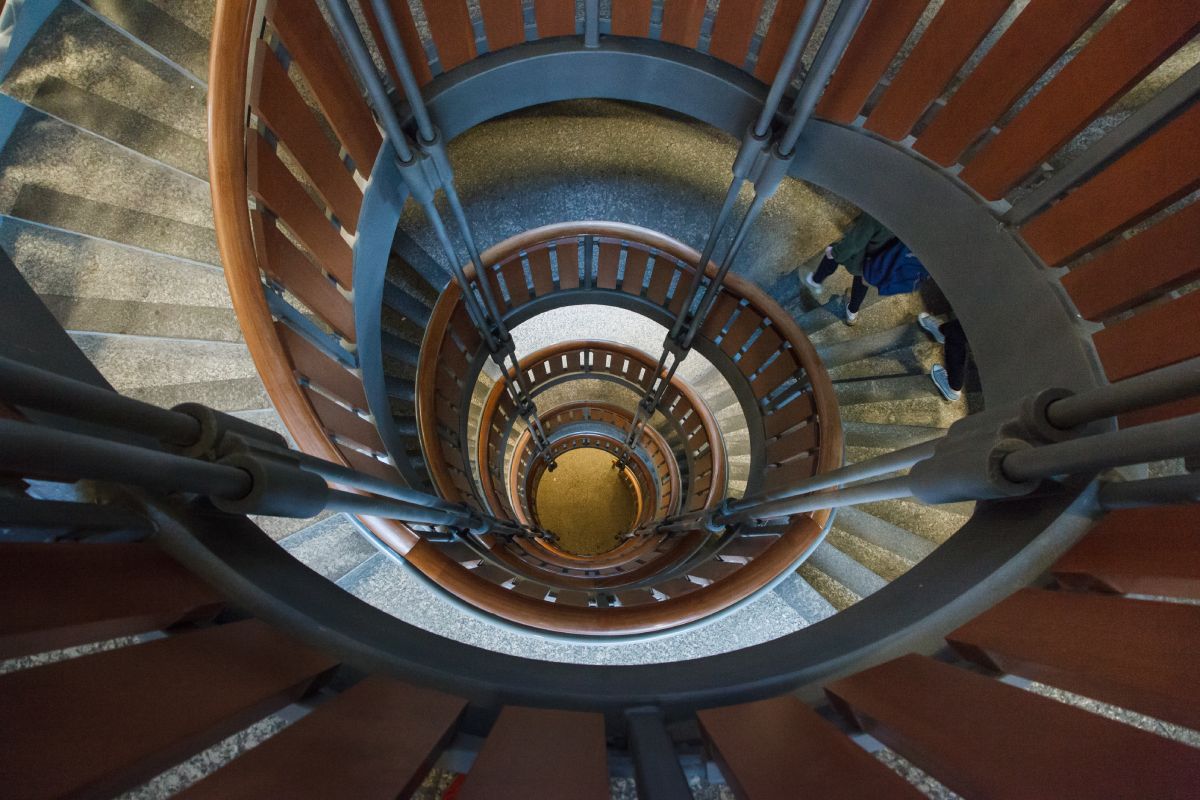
{"x":890,"y":489}
{"x":845,"y":23}
{"x":1176,"y":382}
{"x":591,"y":23}
{"x":787,"y":68}
{"x":408,"y":82}
{"x":656,"y":765}
{"x":1172,"y":490}
{"x":710,"y":244}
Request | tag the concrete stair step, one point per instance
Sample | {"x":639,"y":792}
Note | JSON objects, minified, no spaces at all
{"x":889,"y":437}
{"x":878,"y":560}
{"x":179,"y":30}
{"x":883,"y":390}
{"x":930,"y":410}
{"x":876,"y":315}
{"x":833,"y":591}
{"x":125,"y":197}
{"x":170,"y":371}
{"x":872,"y":344}
{"x":95,"y":285}
{"x":914,"y":360}
{"x":800,"y":595}
{"x":852,"y":520}
{"x":844,"y":569}
{"x":332,"y":547}
{"x":83,"y":70}
{"x":935,"y":523}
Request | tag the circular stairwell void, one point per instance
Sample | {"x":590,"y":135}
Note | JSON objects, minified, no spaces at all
{"x":587,"y":501}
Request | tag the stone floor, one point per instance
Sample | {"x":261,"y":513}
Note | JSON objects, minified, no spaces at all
{"x":585,"y":502}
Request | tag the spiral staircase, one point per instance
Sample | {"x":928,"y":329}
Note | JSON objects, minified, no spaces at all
{"x":479,"y":478}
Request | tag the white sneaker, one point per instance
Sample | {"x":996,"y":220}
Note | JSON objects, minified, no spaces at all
{"x":931,"y":326}
{"x":942,"y":381}
{"x":815,"y":288}
{"x":851,"y":316}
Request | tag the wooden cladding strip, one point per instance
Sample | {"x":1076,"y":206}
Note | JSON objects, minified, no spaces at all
{"x":368,"y":465}
{"x":287,"y":265}
{"x":311,"y":45}
{"x":953,"y":35}
{"x":882,"y":31}
{"x":984,"y":738}
{"x":631,"y":17}
{"x":345,"y":424}
{"x":276,"y":101}
{"x":533,"y":752}
{"x":1139,"y":269}
{"x":681,"y":21}
{"x":780,"y":749}
{"x":554,"y":17}
{"x":410,"y":38}
{"x":378,"y":739}
{"x":1154,"y":551}
{"x":503,"y":23}
{"x":732,"y":29}
{"x":1162,"y":169}
{"x":1132,"y":653}
{"x":1038,"y":37}
{"x":322,"y":370}
{"x":103,"y":723}
{"x":278,"y":189}
{"x":1158,"y":337}
{"x":779,"y":35}
{"x":76,"y":599}
{"x":450,"y":25}
{"x":1139,"y":38}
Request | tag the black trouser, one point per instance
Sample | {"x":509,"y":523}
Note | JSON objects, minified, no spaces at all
{"x":956,"y":353}
{"x":858,"y":290}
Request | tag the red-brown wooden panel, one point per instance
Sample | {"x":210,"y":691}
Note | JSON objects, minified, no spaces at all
{"x":785,"y":475}
{"x":377,"y":740}
{"x":882,"y":31}
{"x":97,"y":725}
{"x":554,"y":17}
{"x":1139,"y":269}
{"x":1180,"y":408}
{"x":788,"y":417}
{"x":1030,"y":46}
{"x":275,"y":186}
{"x":660,"y":281}
{"x":450,"y":26}
{"x":503,"y":22}
{"x":775,"y":373}
{"x":92,"y":592}
{"x":734,"y":25}
{"x":779,"y":34}
{"x":311,"y":45}
{"x":567,"y":254}
{"x":1153,"y":551}
{"x":276,"y":101}
{"x":722,"y":310}
{"x":414,"y":48}
{"x":767,"y":343}
{"x":793,"y":444}
{"x":345,"y":424}
{"x":945,"y":46}
{"x":284,"y":262}
{"x":607,"y":265}
{"x":740,"y":331}
{"x":780,"y":749}
{"x":368,"y":465}
{"x":322,"y":370}
{"x":681,"y":21}
{"x":631,"y":17}
{"x":1158,"y":337}
{"x":1135,"y":654}
{"x":1151,"y":176}
{"x":1140,"y":37}
{"x":539,"y":270}
{"x":984,"y":738}
{"x":513,"y":273}
{"x":550,"y":755}
{"x":635,"y":271}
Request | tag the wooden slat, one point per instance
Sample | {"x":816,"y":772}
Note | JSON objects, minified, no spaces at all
{"x":322,"y":370}
{"x":631,"y":17}
{"x":368,"y":465}
{"x":1036,"y":39}
{"x":568,"y":264}
{"x":1180,"y":408}
{"x":103,"y":723}
{"x":344,"y":423}
{"x":681,"y":21}
{"x":1158,"y":337}
{"x":503,"y":23}
{"x":1132,"y":653}
{"x":276,"y":101}
{"x":414,"y":48}
{"x":1139,"y":38}
{"x":660,"y":281}
{"x":539,"y":270}
{"x":984,"y":738}
{"x":285,"y":263}
{"x":882,"y":31}
{"x":734,"y":25}
{"x":513,"y":273}
{"x":779,"y":34}
{"x":793,"y":444}
{"x":450,"y":26}
{"x":311,"y":45}
{"x":1162,"y":169}
{"x":92,"y":592}
{"x":1154,"y":551}
{"x":635,"y":271}
{"x":1136,"y":270}
{"x":554,"y":17}
{"x":275,"y":186}
{"x":377,"y":740}
{"x":767,"y":343}
{"x":607,"y":265}
{"x":785,"y":475}
{"x":544,"y":754}
{"x":780,"y":749}
{"x":798,"y":410}
{"x":944,"y":47}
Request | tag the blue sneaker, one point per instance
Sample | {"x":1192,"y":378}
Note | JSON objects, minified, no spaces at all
{"x":931,"y":326}
{"x":942,"y":381}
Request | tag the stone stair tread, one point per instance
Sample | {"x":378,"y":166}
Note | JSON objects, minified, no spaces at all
{"x":846,"y":570}
{"x":915,"y":360}
{"x":332,"y":547}
{"x":800,"y":595}
{"x":854,"y":521}
{"x":879,"y":560}
{"x":154,"y":24}
{"x":936,"y":523}
{"x":871,"y":344}
{"x":890,"y":437}
{"x":834,"y":592}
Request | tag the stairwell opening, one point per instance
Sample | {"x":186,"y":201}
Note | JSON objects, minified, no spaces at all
{"x":588,"y":501}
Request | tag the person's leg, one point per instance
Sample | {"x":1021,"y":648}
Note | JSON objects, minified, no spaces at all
{"x":956,"y":354}
{"x":827,"y":267}
{"x":858,"y":293}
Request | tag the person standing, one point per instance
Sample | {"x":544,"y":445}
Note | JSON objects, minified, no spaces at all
{"x":948,"y":378}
